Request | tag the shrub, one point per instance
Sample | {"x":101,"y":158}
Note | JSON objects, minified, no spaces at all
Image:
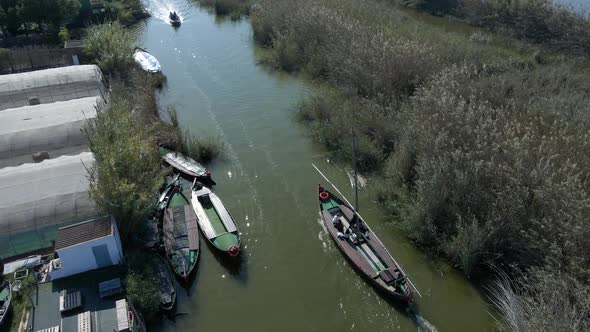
{"x":64,"y":34}
{"x":143,"y":292}
{"x":127,"y":174}
{"x":110,"y":46}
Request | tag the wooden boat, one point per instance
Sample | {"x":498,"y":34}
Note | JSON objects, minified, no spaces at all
{"x":186,"y":165}
{"x":166,"y":283}
{"x":147,"y":61}
{"x":362,"y":247}
{"x":180,"y":233}
{"x":174,"y":19}
{"x":5,"y":299}
{"x":215,"y":221}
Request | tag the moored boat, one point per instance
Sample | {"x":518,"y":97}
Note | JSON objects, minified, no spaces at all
{"x":5,"y":299}
{"x":166,"y":283}
{"x":180,"y":232}
{"x":147,"y":61}
{"x":215,"y":221}
{"x":362,"y":247}
{"x":186,"y":165}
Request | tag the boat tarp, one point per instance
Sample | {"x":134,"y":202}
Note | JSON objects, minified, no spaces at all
{"x":51,"y":127}
{"x":36,"y":197}
{"x":50,"y":85}
{"x":192,"y":227}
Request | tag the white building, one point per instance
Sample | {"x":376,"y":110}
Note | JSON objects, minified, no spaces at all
{"x":86,"y":246}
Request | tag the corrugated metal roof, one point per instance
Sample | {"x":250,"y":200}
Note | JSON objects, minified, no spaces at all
{"x":82,"y":232}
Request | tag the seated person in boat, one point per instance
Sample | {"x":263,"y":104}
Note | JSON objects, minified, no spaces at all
{"x":337,"y":222}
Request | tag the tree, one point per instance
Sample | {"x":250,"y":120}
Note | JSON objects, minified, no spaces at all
{"x":64,"y":34}
{"x":143,"y":292}
{"x":110,"y":46}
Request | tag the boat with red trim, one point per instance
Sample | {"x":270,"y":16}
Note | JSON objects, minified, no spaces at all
{"x":215,"y":221}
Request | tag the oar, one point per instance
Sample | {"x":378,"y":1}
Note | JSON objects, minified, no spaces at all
{"x":347,"y":202}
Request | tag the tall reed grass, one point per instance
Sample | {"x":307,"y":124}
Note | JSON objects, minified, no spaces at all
{"x":482,"y":153}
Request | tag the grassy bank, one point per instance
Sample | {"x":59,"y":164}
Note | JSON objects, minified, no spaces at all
{"x":128,"y":174}
{"x":542,"y":22}
{"x":481,"y":151}
{"x":232,"y":8}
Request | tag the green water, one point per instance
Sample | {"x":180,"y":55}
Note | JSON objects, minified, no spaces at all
{"x":292,"y":277}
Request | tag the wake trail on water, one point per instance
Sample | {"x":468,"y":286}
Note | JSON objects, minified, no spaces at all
{"x":423,"y":324}
{"x":161,"y":9}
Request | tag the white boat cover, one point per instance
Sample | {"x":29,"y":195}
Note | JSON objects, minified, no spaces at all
{"x":147,"y":61}
{"x":50,"y":85}
{"x":204,"y":222}
{"x":55,"y":191}
{"x":46,"y":127}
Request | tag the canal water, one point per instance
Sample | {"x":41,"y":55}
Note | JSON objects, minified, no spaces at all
{"x":291,"y":277}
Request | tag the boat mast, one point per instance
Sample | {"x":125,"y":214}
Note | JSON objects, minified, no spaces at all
{"x":356,"y":186}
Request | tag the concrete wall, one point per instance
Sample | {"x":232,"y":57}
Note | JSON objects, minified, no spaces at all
{"x":20,"y":60}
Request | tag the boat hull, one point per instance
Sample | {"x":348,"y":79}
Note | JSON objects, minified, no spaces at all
{"x":147,"y":61}
{"x":215,"y":222}
{"x":5,"y":289}
{"x":180,"y":224}
{"x":163,"y":268}
{"x":372,"y":247}
{"x":187,"y":166}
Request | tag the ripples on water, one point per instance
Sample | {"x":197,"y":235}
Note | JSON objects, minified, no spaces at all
{"x":160,"y":9}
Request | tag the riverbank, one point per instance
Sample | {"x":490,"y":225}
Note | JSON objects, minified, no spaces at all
{"x":475,"y":145}
{"x":125,"y":140}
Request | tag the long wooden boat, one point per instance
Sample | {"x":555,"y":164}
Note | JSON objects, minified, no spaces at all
{"x":185,"y":164}
{"x":5,"y":299}
{"x":362,"y":247}
{"x":215,"y":221}
{"x":166,"y":282}
{"x":180,"y":233}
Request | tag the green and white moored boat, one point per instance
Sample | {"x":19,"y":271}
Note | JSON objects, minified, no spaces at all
{"x":180,"y":233}
{"x":5,"y":299}
{"x":215,"y":220}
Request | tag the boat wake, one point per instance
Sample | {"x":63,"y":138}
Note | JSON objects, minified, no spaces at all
{"x":161,"y":9}
{"x":423,"y":324}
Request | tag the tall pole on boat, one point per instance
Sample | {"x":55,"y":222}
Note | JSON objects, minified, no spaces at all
{"x":356,"y":185}
{"x":356,"y":189}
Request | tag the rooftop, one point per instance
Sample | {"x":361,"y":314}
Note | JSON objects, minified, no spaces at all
{"x":82,"y":232}
{"x":103,"y":313}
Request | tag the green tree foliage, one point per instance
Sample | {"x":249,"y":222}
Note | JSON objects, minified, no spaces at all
{"x":110,"y":46}
{"x":64,"y":34}
{"x":127,"y":175}
{"x":143,"y":292}
{"x":142,"y":284}
{"x":37,"y":14}
{"x":125,"y":11}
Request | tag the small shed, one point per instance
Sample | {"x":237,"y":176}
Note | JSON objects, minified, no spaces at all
{"x":86,"y":246}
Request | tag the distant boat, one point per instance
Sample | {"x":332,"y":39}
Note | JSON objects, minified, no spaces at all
{"x":166,"y":283}
{"x":180,"y":232}
{"x":215,"y":220}
{"x":174,"y":19}
{"x":147,"y":61}
{"x":186,"y":165}
{"x":5,"y":299}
